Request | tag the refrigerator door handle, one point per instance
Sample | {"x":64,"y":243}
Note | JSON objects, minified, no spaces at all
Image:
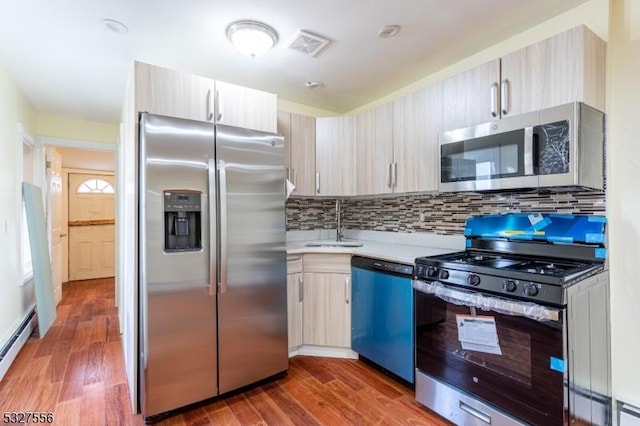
{"x":222,"y":181}
{"x":213,"y":261}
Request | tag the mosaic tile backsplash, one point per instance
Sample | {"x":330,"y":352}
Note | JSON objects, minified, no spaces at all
{"x":438,"y":213}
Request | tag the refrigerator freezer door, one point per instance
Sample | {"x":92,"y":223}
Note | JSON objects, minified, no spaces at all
{"x":178,"y":360}
{"x":252,"y":303}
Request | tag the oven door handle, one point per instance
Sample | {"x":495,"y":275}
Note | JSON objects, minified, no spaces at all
{"x":475,"y":412}
{"x":479,"y":300}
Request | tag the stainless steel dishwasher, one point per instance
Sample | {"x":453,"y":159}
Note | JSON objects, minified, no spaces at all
{"x":382,"y":314}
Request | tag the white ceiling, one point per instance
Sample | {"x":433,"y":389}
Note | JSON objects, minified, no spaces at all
{"x":74,"y":158}
{"x":67,"y":63}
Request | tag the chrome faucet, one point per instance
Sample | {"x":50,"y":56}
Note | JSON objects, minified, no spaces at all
{"x":339,"y":233}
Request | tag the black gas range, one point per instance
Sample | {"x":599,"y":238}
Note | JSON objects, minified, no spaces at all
{"x":513,"y":274}
{"x":514,"y":329}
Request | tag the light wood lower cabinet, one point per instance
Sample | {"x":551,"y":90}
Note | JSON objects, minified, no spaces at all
{"x":294,"y":301}
{"x":319,"y":300}
{"x":327,"y":310}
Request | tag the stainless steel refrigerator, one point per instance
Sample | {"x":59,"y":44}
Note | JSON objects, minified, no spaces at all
{"x":212,"y":261}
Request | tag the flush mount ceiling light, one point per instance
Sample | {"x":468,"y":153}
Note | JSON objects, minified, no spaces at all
{"x":252,"y":38}
{"x":313,"y":85}
{"x":388,"y":31}
{"x":115,"y":26}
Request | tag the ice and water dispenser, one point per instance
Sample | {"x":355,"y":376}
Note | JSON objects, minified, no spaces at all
{"x":182,"y":220}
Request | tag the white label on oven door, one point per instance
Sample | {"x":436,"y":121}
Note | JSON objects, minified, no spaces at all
{"x":478,"y":333}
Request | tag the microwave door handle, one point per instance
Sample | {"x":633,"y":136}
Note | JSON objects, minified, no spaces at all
{"x":528,"y":151}
{"x":536,"y":153}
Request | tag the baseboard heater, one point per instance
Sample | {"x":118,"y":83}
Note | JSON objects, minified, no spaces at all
{"x":628,"y":415}
{"x":10,"y":350}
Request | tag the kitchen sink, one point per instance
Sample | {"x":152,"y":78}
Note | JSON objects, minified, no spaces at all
{"x":329,"y":243}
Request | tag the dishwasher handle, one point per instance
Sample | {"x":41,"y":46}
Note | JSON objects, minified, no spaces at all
{"x":382,"y":266}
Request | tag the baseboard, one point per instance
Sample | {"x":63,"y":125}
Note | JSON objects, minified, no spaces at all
{"x":324,"y":351}
{"x":9,"y":352}
{"x":628,"y":415}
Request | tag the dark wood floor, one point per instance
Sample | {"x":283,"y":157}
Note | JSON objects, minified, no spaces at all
{"x":76,"y":372}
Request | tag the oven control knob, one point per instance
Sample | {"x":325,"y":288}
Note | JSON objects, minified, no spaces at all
{"x":530,"y":290}
{"x":431,"y":271}
{"x":444,"y":274}
{"x":509,"y":285}
{"x":473,"y":279}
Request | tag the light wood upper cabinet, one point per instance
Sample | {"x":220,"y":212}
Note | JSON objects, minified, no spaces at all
{"x":243,"y":107}
{"x":300,"y":145}
{"x":564,"y":68}
{"x":167,"y":92}
{"x":471,"y":97}
{"x":397,"y":144}
{"x":335,"y":156}
{"x":176,"y":94}
{"x":284,"y":129}
{"x":374,"y":150}
{"x":417,"y":123}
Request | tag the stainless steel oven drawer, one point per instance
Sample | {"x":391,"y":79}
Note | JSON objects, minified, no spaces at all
{"x":457,"y":406}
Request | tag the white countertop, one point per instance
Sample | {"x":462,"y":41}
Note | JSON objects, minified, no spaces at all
{"x":395,"y":247}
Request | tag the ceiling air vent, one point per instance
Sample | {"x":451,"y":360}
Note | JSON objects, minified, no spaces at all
{"x":307,"y":43}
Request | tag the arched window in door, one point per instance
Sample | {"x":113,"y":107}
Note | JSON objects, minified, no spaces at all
{"x":95,"y":186}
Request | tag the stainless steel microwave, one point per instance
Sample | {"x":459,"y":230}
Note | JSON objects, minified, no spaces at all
{"x":559,"y":146}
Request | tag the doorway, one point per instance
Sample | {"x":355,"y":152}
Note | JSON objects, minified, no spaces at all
{"x":91,"y":222}
{"x":86,"y":211}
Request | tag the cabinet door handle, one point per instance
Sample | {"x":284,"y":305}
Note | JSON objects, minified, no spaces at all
{"x":390,"y":177}
{"x":318,"y":183}
{"x":504,"y":96}
{"x":395,"y":174}
{"x":347,"y":289}
{"x":494,"y":100}
{"x":210,"y":106}
{"x":289,"y":175}
{"x":300,"y":290}
{"x":218,"y":108}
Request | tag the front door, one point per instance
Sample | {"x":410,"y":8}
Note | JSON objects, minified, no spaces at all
{"x":91,"y":226}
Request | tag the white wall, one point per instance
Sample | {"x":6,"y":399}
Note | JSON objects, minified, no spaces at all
{"x":623,"y":204}
{"x":14,"y":300}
